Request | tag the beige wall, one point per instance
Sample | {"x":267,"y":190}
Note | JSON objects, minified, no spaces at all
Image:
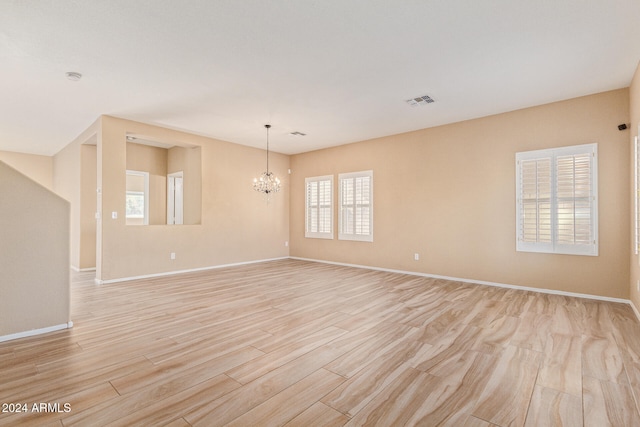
{"x":74,"y":179}
{"x":448,"y":193}
{"x":39,"y":168}
{"x":634,"y":110}
{"x":88,"y":184}
{"x":237,"y":225}
{"x":66,"y":183}
{"x":34,"y":255}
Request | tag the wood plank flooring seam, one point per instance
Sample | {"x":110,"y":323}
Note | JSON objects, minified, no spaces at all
{"x":238,"y":343}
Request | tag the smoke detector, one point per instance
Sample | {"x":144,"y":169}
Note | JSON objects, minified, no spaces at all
{"x":420,"y":100}
{"x":73,"y":76}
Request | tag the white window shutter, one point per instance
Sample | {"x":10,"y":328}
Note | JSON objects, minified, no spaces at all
{"x":573,"y":208}
{"x":556,"y":194}
{"x":356,"y":206}
{"x":319,"y":207}
{"x":535,"y":215}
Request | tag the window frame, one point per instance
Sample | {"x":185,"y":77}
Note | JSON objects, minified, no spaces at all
{"x":353,"y":235}
{"x":636,"y":193}
{"x":307,"y":224}
{"x":136,"y":194}
{"x":555,"y":246}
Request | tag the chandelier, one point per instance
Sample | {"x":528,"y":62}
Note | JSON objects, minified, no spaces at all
{"x":267,"y":183}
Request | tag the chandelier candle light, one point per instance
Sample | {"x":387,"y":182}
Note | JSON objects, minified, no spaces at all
{"x":267,"y":183}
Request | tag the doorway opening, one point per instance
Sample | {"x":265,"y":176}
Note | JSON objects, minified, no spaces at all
{"x":175,"y":198}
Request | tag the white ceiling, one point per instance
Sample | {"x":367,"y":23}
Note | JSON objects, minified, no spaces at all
{"x":338,"y":70}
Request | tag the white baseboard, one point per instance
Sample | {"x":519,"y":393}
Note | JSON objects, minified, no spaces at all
{"x":36,"y":332}
{"x":479,"y":282}
{"x":414,"y":273}
{"x":192,"y":270}
{"x":80,"y":270}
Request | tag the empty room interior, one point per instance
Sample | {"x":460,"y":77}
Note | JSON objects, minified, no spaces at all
{"x":319,"y":213}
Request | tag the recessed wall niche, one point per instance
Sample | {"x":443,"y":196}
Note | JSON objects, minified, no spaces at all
{"x":164,"y":182}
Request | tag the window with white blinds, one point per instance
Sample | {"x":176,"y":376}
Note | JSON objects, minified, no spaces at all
{"x":356,"y":206}
{"x":319,"y":207}
{"x":557,"y":205}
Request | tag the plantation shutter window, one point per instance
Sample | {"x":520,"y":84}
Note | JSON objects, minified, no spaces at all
{"x":536,"y":200}
{"x":356,"y":206}
{"x":319,"y":207}
{"x":556,"y":193}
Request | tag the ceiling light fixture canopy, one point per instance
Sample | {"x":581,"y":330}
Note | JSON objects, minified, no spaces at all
{"x":267,"y":183}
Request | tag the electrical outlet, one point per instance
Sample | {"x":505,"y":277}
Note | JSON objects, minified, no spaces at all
{"x":416,"y":257}
{"x":172,"y":255}
{"x":286,"y":243}
{"x":114,"y":215}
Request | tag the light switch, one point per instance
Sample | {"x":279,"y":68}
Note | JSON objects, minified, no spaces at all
{"x":114,"y":215}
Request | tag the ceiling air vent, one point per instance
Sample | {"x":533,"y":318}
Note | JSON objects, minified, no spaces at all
{"x":421,"y":100}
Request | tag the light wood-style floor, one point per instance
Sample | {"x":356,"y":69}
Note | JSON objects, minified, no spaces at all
{"x":305,"y":344}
